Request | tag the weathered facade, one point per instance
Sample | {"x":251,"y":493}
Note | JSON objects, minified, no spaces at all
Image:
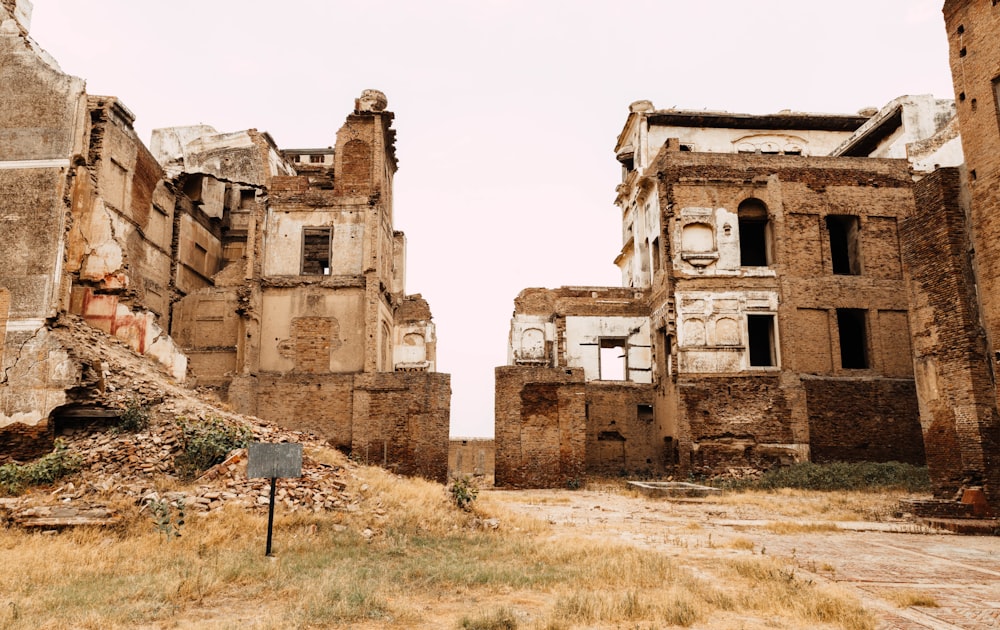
{"x":280,"y":281}
{"x":765,"y":314}
{"x":954,"y":257}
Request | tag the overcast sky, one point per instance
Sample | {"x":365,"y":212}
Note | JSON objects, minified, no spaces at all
{"x":507,"y":111}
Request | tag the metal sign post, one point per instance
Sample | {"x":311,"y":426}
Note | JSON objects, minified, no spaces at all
{"x":273,"y":461}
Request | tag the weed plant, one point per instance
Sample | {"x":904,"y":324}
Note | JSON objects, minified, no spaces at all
{"x":15,"y":478}
{"x":860,"y":476}
{"x":134,"y":418}
{"x":206,"y":442}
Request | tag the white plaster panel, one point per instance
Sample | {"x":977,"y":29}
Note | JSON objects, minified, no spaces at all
{"x":283,"y":255}
{"x":583,"y":336}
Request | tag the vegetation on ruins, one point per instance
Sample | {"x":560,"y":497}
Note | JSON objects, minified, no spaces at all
{"x":15,"y":478}
{"x":205,"y":442}
{"x":874,"y":476}
{"x":135,"y":417}
{"x":380,"y":565}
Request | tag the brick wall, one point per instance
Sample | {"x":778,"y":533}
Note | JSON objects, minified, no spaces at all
{"x":622,"y":435}
{"x":22,"y":442}
{"x":322,"y":404}
{"x":401,"y":422}
{"x":973,"y":28}
{"x":540,"y":426}
{"x":863,"y":420}
{"x":953,"y":372}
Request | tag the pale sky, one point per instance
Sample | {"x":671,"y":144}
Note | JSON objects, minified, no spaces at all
{"x":507,"y":111}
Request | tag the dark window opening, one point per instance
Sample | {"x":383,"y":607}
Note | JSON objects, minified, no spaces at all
{"x":853,"y":338}
{"x":644,"y":413}
{"x":192,"y":188}
{"x":247,"y":197}
{"x":316,"y":251}
{"x":668,"y":347}
{"x":962,"y":52}
{"x":760,"y":337}
{"x":687,"y":147}
{"x":316,"y":159}
{"x":654,"y":252}
{"x":612,"y":363}
{"x":844,"y":244}
{"x":754,"y":237}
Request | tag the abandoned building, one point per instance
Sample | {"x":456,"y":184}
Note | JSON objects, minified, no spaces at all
{"x":277,"y":281}
{"x":954,"y":262}
{"x":796,"y":287}
{"x":763,"y":317}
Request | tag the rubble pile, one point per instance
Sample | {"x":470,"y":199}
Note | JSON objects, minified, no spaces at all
{"x":139,"y":466}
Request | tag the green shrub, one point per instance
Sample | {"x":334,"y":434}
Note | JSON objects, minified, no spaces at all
{"x":463,"y":493}
{"x":134,"y":418}
{"x":14,"y":478}
{"x":206,"y":442}
{"x":839,"y":476}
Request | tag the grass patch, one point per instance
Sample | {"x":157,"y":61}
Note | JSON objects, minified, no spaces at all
{"x":408,"y":557}
{"x":904,"y":598}
{"x":864,"y":476}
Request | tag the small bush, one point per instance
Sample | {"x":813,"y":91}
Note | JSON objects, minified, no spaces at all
{"x":134,"y":418}
{"x":207,"y":442}
{"x":839,"y":476}
{"x":463,"y":493}
{"x":14,"y":478}
{"x":500,"y":619}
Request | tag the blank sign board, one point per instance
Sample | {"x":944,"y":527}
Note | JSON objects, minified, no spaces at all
{"x":274,"y":460}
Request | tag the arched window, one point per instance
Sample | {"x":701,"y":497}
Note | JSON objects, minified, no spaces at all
{"x":755,"y":234}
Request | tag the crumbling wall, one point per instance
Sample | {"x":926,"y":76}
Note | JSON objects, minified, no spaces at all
{"x":35,"y":184}
{"x":863,"y":420}
{"x":954,"y":378}
{"x":540,"y":426}
{"x":974,"y":54}
{"x":471,"y":457}
{"x":401,"y":422}
{"x":622,"y":434}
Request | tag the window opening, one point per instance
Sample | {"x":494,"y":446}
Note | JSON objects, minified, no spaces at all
{"x":316,"y":159}
{"x":668,"y":350}
{"x":644,"y":413}
{"x":247,"y":197}
{"x":654,"y":252}
{"x":612,"y":360}
{"x":844,"y":244}
{"x":754,"y":234}
{"x":853,"y":338}
{"x":316,"y":251}
{"x":760,"y":338}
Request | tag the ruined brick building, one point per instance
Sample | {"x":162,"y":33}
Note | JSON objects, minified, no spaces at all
{"x":278,"y":275}
{"x":764,"y":314}
{"x":797,"y":287}
{"x":953,"y":254}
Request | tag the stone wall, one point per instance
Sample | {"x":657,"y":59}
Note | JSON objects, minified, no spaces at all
{"x":471,"y":457}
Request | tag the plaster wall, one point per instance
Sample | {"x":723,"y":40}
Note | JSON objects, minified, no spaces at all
{"x":313,"y":331}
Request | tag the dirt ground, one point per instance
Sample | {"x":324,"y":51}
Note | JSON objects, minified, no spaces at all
{"x":872,"y":559}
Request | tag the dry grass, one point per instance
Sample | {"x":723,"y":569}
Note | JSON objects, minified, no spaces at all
{"x":905,"y":597}
{"x":407,"y":559}
{"x":823,"y":506}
